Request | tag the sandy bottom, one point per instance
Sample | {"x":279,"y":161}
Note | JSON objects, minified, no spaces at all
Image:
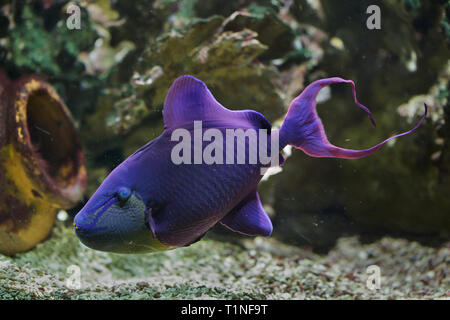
{"x":62,"y":268}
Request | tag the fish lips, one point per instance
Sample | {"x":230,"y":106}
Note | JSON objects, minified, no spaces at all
{"x":114,"y":227}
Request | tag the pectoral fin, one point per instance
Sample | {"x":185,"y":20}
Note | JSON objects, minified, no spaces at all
{"x":249,"y":217}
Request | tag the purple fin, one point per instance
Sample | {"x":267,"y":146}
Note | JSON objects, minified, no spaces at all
{"x":303,"y":128}
{"x":249,"y":217}
{"x":151,"y":222}
{"x":189,"y":99}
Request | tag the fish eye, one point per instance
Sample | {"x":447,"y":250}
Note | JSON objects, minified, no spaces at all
{"x":123,"y":194}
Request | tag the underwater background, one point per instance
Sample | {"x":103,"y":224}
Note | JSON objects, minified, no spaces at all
{"x":76,"y":100}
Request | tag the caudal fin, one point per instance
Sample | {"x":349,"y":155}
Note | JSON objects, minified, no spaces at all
{"x":303,"y":129}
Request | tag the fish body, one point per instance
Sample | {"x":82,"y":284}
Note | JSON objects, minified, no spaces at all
{"x":153,"y":202}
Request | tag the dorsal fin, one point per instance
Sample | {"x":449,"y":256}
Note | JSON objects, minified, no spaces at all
{"x":189,"y":99}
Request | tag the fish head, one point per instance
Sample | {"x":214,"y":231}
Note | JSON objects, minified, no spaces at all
{"x":115,"y":219}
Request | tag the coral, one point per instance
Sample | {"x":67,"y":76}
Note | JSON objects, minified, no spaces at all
{"x":34,"y":48}
{"x":224,"y":59}
{"x":224,"y":52}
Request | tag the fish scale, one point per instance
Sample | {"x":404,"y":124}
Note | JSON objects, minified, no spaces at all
{"x":209,"y":200}
{"x":159,"y":205}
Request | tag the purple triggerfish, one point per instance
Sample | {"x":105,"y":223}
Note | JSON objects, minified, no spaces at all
{"x":174,"y":189}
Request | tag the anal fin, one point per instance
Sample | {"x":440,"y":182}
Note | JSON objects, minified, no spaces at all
{"x":249,"y":217}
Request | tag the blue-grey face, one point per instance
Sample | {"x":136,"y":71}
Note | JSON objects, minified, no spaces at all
{"x":116,"y":222}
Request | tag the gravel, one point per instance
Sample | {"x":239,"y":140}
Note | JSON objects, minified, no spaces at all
{"x":259,"y":268}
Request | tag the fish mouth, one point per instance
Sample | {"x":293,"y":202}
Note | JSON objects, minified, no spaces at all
{"x":92,"y":238}
{"x":78,"y":229}
{"x":81,"y":230}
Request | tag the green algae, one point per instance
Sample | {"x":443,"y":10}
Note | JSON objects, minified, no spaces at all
{"x":53,"y":52}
